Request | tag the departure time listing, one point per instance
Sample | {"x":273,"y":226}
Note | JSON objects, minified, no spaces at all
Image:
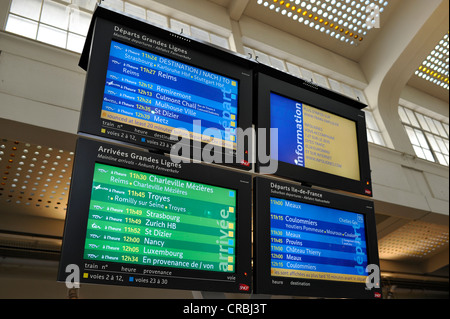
{"x":314,"y":242}
{"x":148,"y":91}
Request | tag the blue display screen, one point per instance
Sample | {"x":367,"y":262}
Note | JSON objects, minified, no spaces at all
{"x":313,"y":138}
{"x":315,"y":242}
{"x":155,"y":93}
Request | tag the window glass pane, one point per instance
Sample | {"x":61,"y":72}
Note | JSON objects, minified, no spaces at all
{"x":442,"y":145}
{"x":446,"y":127}
{"x":200,"y":34}
{"x":431,"y":135}
{"x":422,"y":122}
{"x":403,"y":117}
{"x":348,"y":91}
{"x":262,"y":57}
{"x":321,"y":80}
{"x":369,"y":136}
{"x":440,"y":128}
{"x":433,"y":143}
{"x":441,"y":159}
{"x":432,"y":125}
{"x":411,"y":117}
{"x":249,"y":52}
{"x":115,"y":4}
{"x":293,"y":69}
{"x":79,"y":21}
{"x":308,"y":75}
{"x":220,"y":41}
{"x":87,"y":4}
{"x":419,"y":152}
{"x":27,"y":8}
{"x":377,"y":138}
{"x":335,"y":85}
{"x":180,"y":27}
{"x":277,"y":63}
{"x":55,"y":14}
{"x":75,"y":42}
{"x":52,"y":35}
{"x":135,"y":10}
{"x":21,"y":26}
{"x":157,"y":19}
{"x":428,"y":155}
{"x":412,"y":136}
{"x":370,"y":121}
{"x":360,"y":94}
{"x":421,"y":138}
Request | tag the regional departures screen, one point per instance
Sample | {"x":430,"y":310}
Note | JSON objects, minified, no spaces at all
{"x":153,"y":220}
{"x":314,"y":242}
{"x":151,"y":92}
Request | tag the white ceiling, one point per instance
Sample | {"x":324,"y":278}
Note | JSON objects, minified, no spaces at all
{"x":251,"y":9}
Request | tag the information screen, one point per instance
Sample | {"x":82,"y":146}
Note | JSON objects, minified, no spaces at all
{"x":310,"y":241}
{"x":149,"y":91}
{"x":317,"y":137}
{"x":135,"y":218}
{"x":148,"y":219}
{"x":166,"y":92}
{"x":313,"y":138}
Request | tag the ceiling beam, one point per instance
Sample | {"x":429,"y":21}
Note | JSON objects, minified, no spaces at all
{"x":435,"y":262}
{"x":390,"y":225}
{"x":407,"y":38}
{"x":394,"y":266}
{"x":237,"y":8}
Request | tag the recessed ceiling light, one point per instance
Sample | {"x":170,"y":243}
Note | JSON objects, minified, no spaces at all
{"x":435,"y":67}
{"x":348,"y":20}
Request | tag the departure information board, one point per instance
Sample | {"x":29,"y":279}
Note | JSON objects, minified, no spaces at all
{"x":148,"y":91}
{"x":148,"y":219}
{"x":309,"y":241}
{"x":165,"y":92}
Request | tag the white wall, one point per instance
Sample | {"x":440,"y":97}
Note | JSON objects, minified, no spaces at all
{"x":43,"y":86}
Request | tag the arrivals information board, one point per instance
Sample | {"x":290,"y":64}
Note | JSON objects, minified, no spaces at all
{"x":136,"y":218}
{"x":148,"y":219}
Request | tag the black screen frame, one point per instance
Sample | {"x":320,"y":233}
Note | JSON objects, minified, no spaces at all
{"x":263,"y":283}
{"x":87,"y":154}
{"x":202,"y":55}
{"x":268,"y":81}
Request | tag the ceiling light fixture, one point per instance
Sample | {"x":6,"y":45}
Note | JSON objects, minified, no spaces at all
{"x":345,"y":20}
{"x":435,"y":67}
